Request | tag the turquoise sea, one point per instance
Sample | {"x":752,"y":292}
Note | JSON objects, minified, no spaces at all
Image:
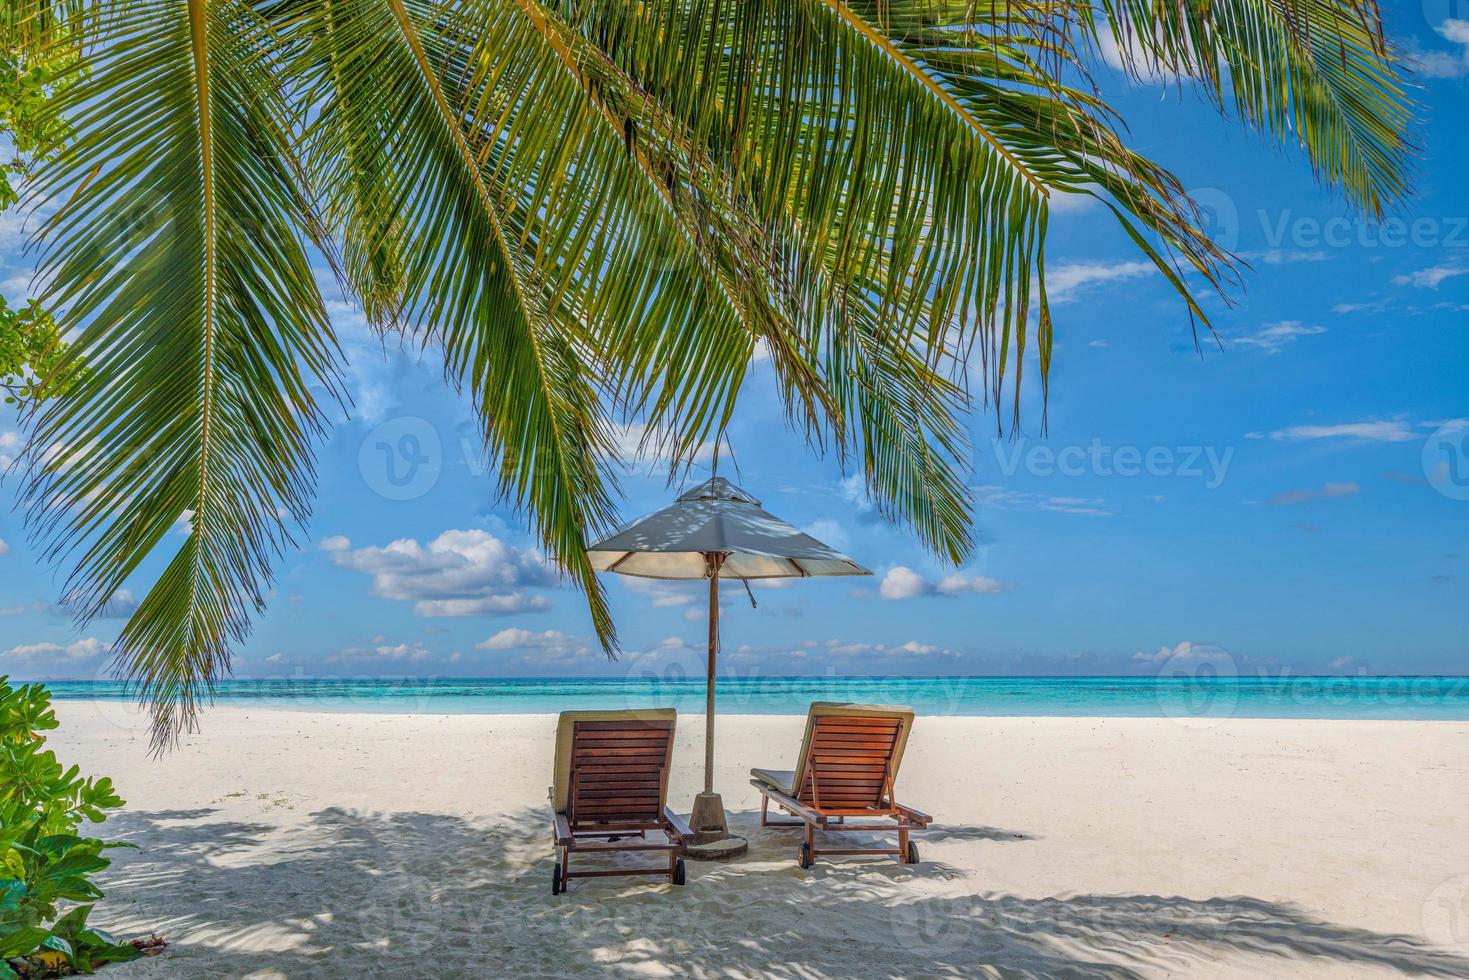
{"x":1444,"y":698}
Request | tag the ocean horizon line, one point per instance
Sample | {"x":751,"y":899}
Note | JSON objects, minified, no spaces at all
{"x":1401,"y":696}
{"x":739,"y":678}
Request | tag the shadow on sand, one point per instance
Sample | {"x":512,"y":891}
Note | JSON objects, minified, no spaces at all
{"x":415,"y":894}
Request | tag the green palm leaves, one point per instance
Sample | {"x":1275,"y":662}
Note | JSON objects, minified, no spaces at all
{"x":597,"y":211}
{"x":178,"y":257}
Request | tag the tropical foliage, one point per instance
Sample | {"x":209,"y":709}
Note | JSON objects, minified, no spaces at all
{"x":33,"y":357}
{"x":31,"y":348}
{"x":596,"y":210}
{"x":46,"y":868}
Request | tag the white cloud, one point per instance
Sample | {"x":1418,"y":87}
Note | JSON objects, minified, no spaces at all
{"x":1433,"y":276}
{"x":9,"y":444}
{"x":1125,"y":55}
{"x":552,"y":643}
{"x":51,"y":653}
{"x":957,"y":584}
{"x":396,"y":652}
{"x":1445,"y":64}
{"x":636,"y":441}
{"x":1065,"y":281}
{"x":1272,"y":337}
{"x":902,"y":582}
{"x":1375,"y":306}
{"x":1304,"y":494}
{"x":854,"y":648}
{"x":1189,"y":655}
{"x":4,"y":547}
{"x":458,"y":573}
{"x":1003,"y":498}
{"x":664,"y":594}
{"x":1277,"y":256}
{"x":1376,"y":430}
{"x":122,"y":605}
{"x":829,"y":532}
{"x":1064,"y":202}
{"x":336,"y":542}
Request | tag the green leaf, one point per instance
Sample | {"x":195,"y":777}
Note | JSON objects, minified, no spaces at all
{"x":22,"y":941}
{"x":12,"y":891}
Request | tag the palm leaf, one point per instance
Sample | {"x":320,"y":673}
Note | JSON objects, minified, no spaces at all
{"x":1318,"y":74}
{"x":177,"y":255}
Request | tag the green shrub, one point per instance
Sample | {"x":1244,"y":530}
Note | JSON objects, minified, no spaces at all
{"x":46,"y":891}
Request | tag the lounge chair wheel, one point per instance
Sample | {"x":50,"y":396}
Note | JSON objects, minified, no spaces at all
{"x":556,"y":880}
{"x":912,"y":852}
{"x":803,"y":856}
{"x":678,"y":872}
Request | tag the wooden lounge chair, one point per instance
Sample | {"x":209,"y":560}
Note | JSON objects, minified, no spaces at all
{"x":849,"y":760}
{"x":610,"y":790}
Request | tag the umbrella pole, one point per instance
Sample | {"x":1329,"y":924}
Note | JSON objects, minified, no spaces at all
{"x":715,"y":560}
{"x":712,"y":840}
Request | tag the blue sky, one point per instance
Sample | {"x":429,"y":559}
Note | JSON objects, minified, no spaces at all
{"x":1286,"y":504}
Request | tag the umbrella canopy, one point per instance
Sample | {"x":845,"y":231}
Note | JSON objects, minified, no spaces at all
{"x":717,"y":518}
{"x":716,"y":530}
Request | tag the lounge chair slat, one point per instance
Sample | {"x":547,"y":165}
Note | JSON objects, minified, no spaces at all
{"x":624,"y":726}
{"x":582,"y":731}
{"x":858,"y":727}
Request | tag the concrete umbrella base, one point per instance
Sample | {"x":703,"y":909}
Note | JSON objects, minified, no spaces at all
{"x":712,"y":840}
{"x":720,"y":850}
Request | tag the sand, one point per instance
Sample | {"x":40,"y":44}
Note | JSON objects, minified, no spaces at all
{"x":293,"y":844}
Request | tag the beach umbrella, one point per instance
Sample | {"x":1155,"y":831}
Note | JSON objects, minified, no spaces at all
{"x":716,"y":531}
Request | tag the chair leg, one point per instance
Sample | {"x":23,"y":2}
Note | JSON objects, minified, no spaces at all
{"x":811,"y":840}
{"x":902,"y":843}
{"x":565,"y":867}
{"x":764,"y":810}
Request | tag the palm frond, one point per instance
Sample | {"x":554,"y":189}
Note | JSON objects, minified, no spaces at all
{"x":522,"y":231}
{"x":178,"y":257}
{"x":1317,"y":74}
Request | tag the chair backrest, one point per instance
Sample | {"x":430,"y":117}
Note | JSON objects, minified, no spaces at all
{"x":851,"y":754}
{"x":612,"y":766}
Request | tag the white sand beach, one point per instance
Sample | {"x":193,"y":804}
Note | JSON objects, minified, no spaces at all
{"x":293,"y":844}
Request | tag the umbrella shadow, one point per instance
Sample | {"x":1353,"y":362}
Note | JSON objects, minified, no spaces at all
{"x":344,"y":893}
